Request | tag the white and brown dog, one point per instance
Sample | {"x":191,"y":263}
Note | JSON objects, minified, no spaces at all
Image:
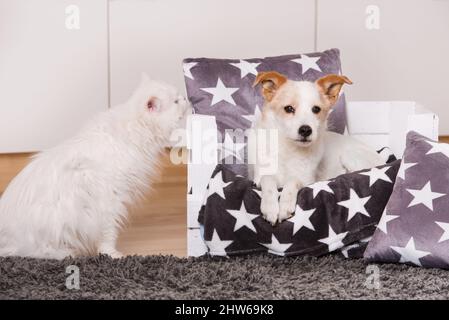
{"x":305,"y":152}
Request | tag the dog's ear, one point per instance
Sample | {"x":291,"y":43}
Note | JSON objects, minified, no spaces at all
{"x":330,"y":86}
{"x":271,"y":81}
{"x":154,"y":104}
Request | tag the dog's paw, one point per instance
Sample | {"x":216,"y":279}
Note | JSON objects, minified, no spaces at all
{"x":285,"y":212}
{"x":270,"y":210}
{"x":287,"y":206}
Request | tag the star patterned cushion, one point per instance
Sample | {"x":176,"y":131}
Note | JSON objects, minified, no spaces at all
{"x":339,"y":214}
{"x":224,"y":88}
{"x":414,"y":228}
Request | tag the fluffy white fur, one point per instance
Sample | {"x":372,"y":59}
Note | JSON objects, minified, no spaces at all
{"x":72,"y":199}
{"x":300,"y":160}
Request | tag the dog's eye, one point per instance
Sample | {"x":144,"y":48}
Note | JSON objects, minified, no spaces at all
{"x":176,"y":101}
{"x":289,"y":109}
{"x":316,"y":109}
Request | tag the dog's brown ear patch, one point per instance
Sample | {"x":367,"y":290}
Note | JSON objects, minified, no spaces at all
{"x":271,"y":81}
{"x":330,"y":86}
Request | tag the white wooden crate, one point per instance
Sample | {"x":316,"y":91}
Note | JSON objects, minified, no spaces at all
{"x":377,"y":123}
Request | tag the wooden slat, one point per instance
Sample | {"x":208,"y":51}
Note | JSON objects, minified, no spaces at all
{"x":10,"y":165}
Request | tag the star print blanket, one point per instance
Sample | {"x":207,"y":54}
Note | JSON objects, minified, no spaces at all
{"x":340,"y":214}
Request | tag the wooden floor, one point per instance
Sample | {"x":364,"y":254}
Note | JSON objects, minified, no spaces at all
{"x":157,"y":226}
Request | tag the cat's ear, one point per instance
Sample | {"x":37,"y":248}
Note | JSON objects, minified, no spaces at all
{"x":154,"y":104}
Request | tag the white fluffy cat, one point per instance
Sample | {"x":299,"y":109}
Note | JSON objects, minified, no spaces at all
{"x":71,"y":199}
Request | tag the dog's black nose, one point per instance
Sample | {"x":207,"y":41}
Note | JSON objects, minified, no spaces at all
{"x":305,"y":131}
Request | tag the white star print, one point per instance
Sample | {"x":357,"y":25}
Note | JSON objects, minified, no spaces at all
{"x":424,"y":196}
{"x":221,"y":93}
{"x":367,"y":239}
{"x":334,"y":241}
{"x":438,"y":147}
{"x":445,"y":227}
{"x":246,"y":67}
{"x":376,"y":174}
{"x":205,"y":197}
{"x":308,"y":63}
{"x":229,"y":148}
{"x":275,"y":247}
{"x":404,"y":166}
{"x":384,"y":220}
{"x":355,"y":204}
{"x":302,"y":219}
{"x":319,"y":186}
{"x":253,"y":117}
{"x":243,"y":218}
{"x":409,"y":253}
{"x":345,"y":250}
{"x":187,"y":67}
{"x":216,"y":185}
{"x":258,"y":192}
{"x":217,"y":246}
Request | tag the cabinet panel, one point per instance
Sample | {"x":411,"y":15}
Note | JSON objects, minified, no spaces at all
{"x":52,"y":78}
{"x":405,"y":59}
{"x":154,"y":36}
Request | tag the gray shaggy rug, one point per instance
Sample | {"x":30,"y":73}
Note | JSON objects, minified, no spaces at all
{"x":250,"y":277}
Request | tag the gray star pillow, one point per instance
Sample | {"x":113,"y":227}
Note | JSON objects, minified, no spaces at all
{"x":414,"y":227}
{"x":224,"y":88}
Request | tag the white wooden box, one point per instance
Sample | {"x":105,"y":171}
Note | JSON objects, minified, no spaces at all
{"x":377,"y":123}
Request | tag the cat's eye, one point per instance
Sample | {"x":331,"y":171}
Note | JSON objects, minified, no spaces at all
{"x":289,"y":109}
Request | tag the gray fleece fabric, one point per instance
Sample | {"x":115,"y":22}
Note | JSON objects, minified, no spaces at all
{"x":246,"y":277}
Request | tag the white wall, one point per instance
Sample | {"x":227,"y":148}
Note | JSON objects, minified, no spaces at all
{"x":407,"y":58}
{"x":157,"y":35}
{"x":51,"y":79}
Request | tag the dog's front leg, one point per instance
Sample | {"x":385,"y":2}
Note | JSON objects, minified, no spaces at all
{"x":287,"y":203}
{"x":269,"y":205}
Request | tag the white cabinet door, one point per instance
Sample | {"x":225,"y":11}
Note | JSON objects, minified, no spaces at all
{"x":155,"y":36}
{"x":407,"y":58}
{"x":52,"y":78}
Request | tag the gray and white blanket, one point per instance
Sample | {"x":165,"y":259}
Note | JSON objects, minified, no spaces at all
{"x":339,"y":214}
